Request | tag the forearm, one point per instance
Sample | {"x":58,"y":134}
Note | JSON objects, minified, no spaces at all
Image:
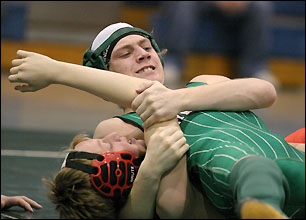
{"x":110,"y":86}
{"x":141,"y":201}
{"x":232,"y":95}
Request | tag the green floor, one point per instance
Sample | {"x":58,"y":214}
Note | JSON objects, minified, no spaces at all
{"x":21,"y":174}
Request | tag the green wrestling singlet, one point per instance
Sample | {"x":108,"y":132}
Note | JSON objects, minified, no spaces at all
{"x":219,"y":139}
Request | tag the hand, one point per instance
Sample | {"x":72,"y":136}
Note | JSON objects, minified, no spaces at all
{"x":22,"y":201}
{"x":33,"y":69}
{"x":165,"y":149}
{"x":155,"y":103}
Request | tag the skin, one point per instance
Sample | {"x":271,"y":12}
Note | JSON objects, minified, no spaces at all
{"x":21,"y":201}
{"x":130,"y":55}
{"x":134,"y":53}
{"x":299,"y":146}
{"x":113,"y":142}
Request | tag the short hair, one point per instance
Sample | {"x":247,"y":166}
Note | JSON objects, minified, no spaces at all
{"x":74,"y":196}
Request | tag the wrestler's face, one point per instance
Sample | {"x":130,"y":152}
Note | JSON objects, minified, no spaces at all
{"x":134,"y":55}
{"x":113,"y":142}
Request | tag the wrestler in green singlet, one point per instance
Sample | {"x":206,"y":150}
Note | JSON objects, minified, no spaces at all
{"x":269,"y":169}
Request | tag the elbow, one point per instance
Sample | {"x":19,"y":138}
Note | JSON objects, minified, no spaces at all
{"x":266,"y":93}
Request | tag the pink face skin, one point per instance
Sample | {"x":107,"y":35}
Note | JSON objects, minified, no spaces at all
{"x":134,"y":55}
{"x":113,"y":142}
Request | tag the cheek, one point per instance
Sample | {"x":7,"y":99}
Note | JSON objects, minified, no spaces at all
{"x":119,"y":146}
{"x":120,"y":67}
{"x":134,"y":149}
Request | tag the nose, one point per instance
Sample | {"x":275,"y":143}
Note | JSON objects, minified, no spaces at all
{"x":142,"y":54}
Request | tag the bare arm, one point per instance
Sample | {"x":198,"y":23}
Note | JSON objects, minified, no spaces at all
{"x":157,"y":103}
{"x":166,"y":146}
{"x":37,"y":71}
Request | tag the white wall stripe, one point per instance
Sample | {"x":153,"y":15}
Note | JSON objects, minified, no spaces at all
{"x":32,"y":153}
{"x":7,"y":216}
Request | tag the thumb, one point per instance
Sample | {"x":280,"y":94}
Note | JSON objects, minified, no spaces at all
{"x":144,"y":86}
{"x":25,"y":88}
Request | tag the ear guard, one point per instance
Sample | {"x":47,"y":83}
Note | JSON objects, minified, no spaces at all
{"x":100,"y":57}
{"x":112,"y":173}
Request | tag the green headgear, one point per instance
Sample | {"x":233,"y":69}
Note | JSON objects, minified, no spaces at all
{"x":99,"y":53}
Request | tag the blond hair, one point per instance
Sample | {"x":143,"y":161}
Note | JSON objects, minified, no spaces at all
{"x":74,"y":196}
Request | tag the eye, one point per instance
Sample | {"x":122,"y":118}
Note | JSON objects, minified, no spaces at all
{"x":125,"y":55}
{"x":130,"y":141}
{"x":147,"y":48}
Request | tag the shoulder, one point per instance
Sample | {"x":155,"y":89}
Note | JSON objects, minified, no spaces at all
{"x":210,"y":79}
{"x":114,"y":125}
{"x":107,"y":126}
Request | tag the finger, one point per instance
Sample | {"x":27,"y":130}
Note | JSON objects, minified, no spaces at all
{"x":14,"y":70}
{"x":33,"y":203}
{"x":17,"y":62}
{"x":178,"y":135}
{"x":149,"y":121}
{"x":178,"y":144}
{"x":136,"y":102}
{"x":15,"y":77}
{"x":23,"y":53}
{"x":141,"y":109}
{"x":144,"y":86}
{"x":25,"y":205}
{"x":184,"y":149}
{"x":144,"y":114}
{"x":25,"y":88}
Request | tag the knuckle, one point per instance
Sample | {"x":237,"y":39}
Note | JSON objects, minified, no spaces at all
{"x":158,"y":113}
{"x":150,"y":100}
{"x":167,"y":141}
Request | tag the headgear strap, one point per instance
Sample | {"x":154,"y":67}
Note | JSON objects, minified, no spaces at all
{"x":112,"y":173}
{"x":99,"y":56}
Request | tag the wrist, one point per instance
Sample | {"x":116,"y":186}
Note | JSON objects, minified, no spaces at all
{"x":58,"y":67}
{"x":149,"y":172}
{"x":183,"y":100}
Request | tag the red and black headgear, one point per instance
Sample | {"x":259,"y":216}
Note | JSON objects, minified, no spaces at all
{"x":111,"y":173}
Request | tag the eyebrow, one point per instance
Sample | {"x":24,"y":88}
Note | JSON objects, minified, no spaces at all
{"x":129,"y":45}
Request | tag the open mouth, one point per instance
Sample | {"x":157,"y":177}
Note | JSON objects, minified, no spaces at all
{"x":146,"y":69}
